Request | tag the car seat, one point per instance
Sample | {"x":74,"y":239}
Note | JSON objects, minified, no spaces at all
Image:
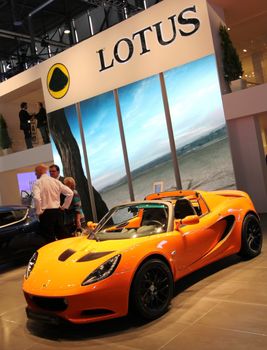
{"x":183,"y":208}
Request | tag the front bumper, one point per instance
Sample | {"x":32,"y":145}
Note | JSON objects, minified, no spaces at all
{"x":44,"y":317}
{"x":98,"y":302}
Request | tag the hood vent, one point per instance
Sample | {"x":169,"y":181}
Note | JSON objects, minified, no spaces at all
{"x":65,"y":255}
{"x":93,"y":256}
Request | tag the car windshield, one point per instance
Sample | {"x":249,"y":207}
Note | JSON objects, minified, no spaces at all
{"x":9,"y":217}
{"x":133,"y":221}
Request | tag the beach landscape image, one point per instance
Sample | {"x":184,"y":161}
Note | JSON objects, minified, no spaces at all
{"x":199,"y":129}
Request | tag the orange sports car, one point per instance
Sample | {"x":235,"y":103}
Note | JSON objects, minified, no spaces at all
{"x":134,"y":255}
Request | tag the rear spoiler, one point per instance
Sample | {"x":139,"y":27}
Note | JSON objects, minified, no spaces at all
{"x":174,"y":194}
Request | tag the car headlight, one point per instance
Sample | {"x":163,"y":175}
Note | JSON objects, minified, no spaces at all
{"x":31,"y":265}
{"x":103,"y":271}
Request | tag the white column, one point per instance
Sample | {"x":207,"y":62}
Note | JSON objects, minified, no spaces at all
{"x":249,"y":159}
{"x":257,"y":66}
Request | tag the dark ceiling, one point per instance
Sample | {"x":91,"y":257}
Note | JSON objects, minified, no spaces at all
{"x":15,"y":16}
{"x":33,"y":30}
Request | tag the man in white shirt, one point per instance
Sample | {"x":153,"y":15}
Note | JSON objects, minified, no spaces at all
{"x":46,"y":194}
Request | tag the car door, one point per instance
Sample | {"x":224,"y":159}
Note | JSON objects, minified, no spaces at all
{"x":199,"y":239}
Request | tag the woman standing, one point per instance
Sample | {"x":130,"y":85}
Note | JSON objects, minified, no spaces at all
{"x":74,"y":217}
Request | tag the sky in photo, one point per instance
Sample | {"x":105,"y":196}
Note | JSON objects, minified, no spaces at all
{"x":196,"y":110}
{"x":195,"y":100}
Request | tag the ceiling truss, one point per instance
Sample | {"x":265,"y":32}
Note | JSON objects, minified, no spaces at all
{"x":32,"y":31}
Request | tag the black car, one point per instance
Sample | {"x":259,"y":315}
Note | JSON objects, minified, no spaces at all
{"x":19,"y":233}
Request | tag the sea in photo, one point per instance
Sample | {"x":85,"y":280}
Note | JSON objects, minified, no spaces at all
{"x":206,"y":167}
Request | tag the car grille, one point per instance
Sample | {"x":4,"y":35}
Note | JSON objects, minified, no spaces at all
{"x":50,"y":304}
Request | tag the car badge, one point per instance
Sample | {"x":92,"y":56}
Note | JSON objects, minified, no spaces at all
{"x":45,"y":285}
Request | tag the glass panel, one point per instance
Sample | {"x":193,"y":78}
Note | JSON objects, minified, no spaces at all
{"x":11,"y":216}
{"x":104,"y":150}
{"x":68,"y":154}
{"x":199,"y":126}
{"x":19,"y":214}
{"x":146,"y":136}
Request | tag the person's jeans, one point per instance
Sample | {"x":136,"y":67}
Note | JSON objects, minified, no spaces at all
{"x":44,"y":133}
{"x":28,"y":137}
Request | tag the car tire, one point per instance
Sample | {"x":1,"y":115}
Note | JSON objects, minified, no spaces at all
{"x":251,"y":237}
{"x":152,"y":289}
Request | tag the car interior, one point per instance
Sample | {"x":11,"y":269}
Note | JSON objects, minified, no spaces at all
{"x":183,"y":208}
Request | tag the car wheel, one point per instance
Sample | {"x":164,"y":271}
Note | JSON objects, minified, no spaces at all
{"x":251,"y":239}
{"x":152,"y":289}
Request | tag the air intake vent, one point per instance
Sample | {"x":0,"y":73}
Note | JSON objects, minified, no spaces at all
{"x":93,"y":256}
{"x":65,"y":255}
{"x":230,"y":219}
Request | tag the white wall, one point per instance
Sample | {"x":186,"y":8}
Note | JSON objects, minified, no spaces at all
{"x":10,"y":107}
{"x":249,"y":101}
{"x":19,"y":162}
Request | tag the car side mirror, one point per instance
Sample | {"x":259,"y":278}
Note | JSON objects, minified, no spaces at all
{"x":91,"y":225}
{"x":188,"y":220}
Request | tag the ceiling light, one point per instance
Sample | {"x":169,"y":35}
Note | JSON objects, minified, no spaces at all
{"x":66,"y":31}
{"x":245,"y":50}
{"x":17,"y":23}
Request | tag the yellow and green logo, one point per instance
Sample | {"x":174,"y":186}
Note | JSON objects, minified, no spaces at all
{"x":58,"y":80}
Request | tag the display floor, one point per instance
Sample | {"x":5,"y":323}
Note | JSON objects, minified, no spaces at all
{"x":223,"y":306}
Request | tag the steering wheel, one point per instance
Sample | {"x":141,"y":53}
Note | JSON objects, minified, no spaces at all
{"x":154,"y":222}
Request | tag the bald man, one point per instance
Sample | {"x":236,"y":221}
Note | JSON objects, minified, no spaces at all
{"x":46,"y":194}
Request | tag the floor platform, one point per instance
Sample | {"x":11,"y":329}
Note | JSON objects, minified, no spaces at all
{"x":223,"y":306}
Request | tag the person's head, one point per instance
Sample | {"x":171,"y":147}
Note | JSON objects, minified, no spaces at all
{"x":40,"y":104}
{"x":70,"y":182}
{"x":23,"y":105}
{"x":54,"y":171}
{"x":40,"y":170}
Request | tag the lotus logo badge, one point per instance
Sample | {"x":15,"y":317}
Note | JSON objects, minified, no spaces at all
{"x":58,"y":80}
{"x":46,"y":284}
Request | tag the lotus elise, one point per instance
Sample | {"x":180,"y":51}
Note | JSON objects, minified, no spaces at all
{"x":136,"y":252}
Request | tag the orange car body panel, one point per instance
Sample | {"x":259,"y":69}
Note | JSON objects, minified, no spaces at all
{"x":186,"y":250}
